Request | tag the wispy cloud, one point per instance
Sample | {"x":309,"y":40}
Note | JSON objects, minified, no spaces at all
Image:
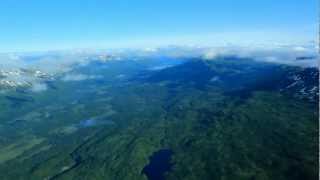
{"x":279,"y":53}
{"x":78,"y":77}
{"x":38,"y":87}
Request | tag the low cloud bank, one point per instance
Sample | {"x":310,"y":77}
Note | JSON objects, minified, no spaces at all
{"x":38,"y":87}
{"x":297,"y":55}
{"x":304,"y":56}
{"x":78,"y":77}
{"x":61,"y":62}
{"x":31,"y":68}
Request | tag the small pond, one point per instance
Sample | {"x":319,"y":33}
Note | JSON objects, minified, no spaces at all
{"x":159,"y":164}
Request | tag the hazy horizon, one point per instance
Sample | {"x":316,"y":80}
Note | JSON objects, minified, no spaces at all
{"x":58,"y":25}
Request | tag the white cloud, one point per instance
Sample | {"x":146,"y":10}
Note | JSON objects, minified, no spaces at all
{"x":210,"y":55}
{"x":78,"y":77}
{"x":299,"y":48}
{"x":282,"y":54}
{"x":120,"y":76}
{"x":38,"y":87}
{"x":161,"y":67}
{"x":63,"y":62}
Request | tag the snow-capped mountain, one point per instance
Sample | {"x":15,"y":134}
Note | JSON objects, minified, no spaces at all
{"x":305,"y":84}
{"x":16,"y":78}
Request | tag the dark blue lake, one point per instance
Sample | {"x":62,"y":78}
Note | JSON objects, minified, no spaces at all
{"x":159,"y":164}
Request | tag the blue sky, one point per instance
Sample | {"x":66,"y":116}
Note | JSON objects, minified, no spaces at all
{"x":65,"y":24}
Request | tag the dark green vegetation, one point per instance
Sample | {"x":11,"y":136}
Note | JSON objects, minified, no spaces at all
{"x":228,"y":118}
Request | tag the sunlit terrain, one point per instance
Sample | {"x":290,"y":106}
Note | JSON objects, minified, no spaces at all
{"x":159,"y":90}
{"x":170,"y":113}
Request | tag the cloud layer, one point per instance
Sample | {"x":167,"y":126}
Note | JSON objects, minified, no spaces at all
{"x":78,"y":77}
{"x":305,"y":56}
{"x":38,"y":87}
{"x":33,"y":69}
